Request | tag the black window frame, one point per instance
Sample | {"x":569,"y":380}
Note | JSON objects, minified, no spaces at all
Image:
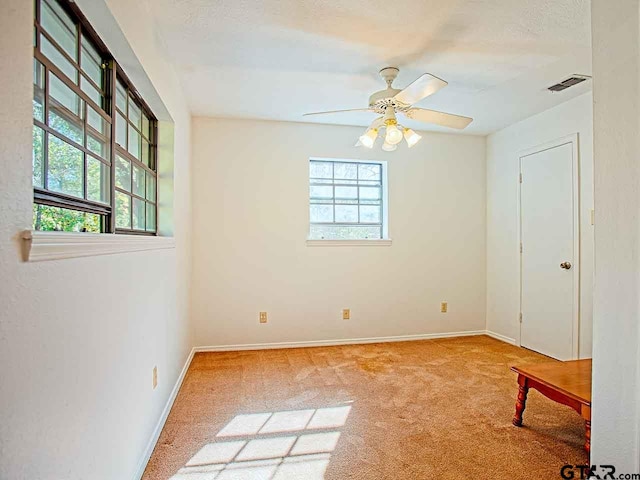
{"x":112,"y":75}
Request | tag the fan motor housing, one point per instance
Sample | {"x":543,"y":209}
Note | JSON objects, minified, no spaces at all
{"x":379,"y":101}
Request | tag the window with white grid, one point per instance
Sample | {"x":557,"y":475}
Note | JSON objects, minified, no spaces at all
{"x":346,"y":200}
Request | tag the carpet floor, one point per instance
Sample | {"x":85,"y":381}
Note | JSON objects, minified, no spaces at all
{"x":432,"y":409}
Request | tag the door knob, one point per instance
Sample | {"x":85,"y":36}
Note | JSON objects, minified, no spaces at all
{"x":565,"y":265}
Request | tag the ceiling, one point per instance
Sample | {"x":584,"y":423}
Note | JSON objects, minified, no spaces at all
{"x":277,"y":59}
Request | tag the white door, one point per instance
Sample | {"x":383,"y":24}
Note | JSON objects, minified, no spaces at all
{"x":549,"y":258}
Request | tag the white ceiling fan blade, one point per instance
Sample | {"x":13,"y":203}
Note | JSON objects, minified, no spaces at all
{"x":421,"y":88}
{"x":438,"y":118}
{"x":339,"y":111}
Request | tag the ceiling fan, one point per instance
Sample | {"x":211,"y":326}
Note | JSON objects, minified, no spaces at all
{"x":391,"y":101}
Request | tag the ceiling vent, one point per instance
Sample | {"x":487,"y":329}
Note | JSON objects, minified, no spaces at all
{"x":569,"y":82}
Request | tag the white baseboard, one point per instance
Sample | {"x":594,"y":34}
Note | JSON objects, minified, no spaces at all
{"x":330,"y":343}
{"x":142,"y":464}
{"x":502,"y":338}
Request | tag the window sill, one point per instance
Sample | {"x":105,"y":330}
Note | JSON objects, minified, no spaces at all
{"x":40,"y":246}
{"x":381,"y":242}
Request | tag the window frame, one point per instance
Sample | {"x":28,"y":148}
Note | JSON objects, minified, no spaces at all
{"x":384,"y":206}
{"x":112,"y":73}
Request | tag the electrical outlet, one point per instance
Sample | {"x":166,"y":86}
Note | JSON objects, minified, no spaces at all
{"x":346,"y":314}
{"x":263,"y":317}
{"x":155,"y":377}
{"x":443,"y":307}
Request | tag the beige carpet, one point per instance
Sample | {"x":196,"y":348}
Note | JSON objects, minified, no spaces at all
{"x":434,"y":409}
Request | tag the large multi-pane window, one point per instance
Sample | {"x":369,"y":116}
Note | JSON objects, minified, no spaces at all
{"x":94,"y":148}
{"x":346,"y":200}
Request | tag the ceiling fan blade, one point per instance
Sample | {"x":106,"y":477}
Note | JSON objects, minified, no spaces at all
{"x":438,"y":118}
{"x":339,"y":111}
{"x":421,"y":88}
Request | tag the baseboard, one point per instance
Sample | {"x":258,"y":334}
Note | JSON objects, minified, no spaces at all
{"x":502,"y":338}
{"x":331,"y":343}
{"x":142,"y":464}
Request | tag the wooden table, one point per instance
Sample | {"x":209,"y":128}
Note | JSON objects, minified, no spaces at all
{"x":568,"y":383}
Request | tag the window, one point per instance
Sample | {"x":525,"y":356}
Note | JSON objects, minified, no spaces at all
{"x":346,"y":200}
{"x":135,"y":170}
{"x":94,"y":148}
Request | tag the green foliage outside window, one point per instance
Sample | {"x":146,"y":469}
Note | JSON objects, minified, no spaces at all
{"x":55,"y":219}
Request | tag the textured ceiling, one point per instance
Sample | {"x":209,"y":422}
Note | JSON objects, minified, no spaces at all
{"x":277,"y":59}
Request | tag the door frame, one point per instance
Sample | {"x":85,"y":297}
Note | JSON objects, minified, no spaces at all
{"x":573,"y":140}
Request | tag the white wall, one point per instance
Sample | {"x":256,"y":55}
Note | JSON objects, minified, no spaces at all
{"x":503,"y":267}
{"x":250,"y":198}
{"x":79,"y":338}
{"x":616,"y":356}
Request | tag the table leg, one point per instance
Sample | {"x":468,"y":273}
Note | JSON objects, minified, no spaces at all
{"x":587,"y":444}
{"x":521,"y":401}
{"x":585,"y":411}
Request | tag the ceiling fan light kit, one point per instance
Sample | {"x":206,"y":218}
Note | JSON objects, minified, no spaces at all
{"x":391,"y":101}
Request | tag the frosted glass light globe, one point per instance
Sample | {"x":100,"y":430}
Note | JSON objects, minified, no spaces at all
{"x":369,"y":137}
{"x":387,"y":147}
{"x":394,"y":135}
{"x":411,"y":137}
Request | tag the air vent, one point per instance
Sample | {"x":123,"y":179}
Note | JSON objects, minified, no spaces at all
{"x":569,"y":82}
